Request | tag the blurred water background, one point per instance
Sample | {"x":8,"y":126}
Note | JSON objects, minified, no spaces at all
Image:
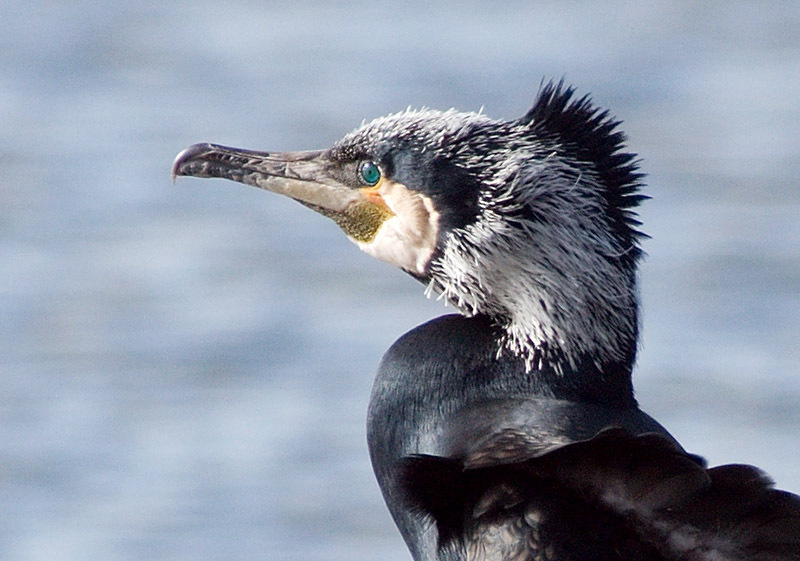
{"x":184,"y":370}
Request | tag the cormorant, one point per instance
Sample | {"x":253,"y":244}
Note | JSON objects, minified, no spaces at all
{"x":510,"y":431}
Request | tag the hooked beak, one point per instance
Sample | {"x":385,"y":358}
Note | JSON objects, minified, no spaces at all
{"x":407,"y":220}
{"x":303,"y":176}
{"x":310,"y":178}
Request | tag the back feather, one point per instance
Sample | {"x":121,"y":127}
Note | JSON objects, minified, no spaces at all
{"x":615,"y":496}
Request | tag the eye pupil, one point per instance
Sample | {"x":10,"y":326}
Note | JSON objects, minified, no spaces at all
{"x":369,"y":172}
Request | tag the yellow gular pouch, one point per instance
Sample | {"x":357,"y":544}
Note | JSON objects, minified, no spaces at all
{"x":407,"y":226}
{"x":361,"y":221}
{"x":392,"y":223}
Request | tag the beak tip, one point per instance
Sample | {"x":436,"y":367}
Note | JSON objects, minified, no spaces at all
{"x":186,"y":156}
{"x":174,"y":172}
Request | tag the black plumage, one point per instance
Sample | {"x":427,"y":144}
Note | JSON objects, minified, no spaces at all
{"x":511,"y":431}
{"x":615,"y":496}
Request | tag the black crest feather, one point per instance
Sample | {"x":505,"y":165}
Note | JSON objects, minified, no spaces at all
{"x":591,"y":135}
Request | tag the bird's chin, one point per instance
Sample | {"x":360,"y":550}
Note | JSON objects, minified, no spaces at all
{"x":409,"y":233}
{"x":392,"y":244}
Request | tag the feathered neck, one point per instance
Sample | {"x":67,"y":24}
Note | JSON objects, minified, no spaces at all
{"x":552,"y":254}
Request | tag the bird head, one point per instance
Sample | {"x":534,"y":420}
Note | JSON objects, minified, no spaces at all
{"x":529,"y":222}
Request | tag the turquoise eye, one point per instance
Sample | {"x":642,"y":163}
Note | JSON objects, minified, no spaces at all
{"x":369,"y":172}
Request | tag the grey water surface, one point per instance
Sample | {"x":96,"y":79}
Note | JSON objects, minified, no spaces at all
{"x":185,"y":369}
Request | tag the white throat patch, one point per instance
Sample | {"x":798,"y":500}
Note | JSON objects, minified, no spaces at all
{"x":407,"y":239}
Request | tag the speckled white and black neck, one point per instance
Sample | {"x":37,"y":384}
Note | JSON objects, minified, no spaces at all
{"x":532,"y":221}
{"x":552,"y":283}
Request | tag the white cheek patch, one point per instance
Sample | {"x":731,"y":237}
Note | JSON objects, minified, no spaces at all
{"x":407,"y":239}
